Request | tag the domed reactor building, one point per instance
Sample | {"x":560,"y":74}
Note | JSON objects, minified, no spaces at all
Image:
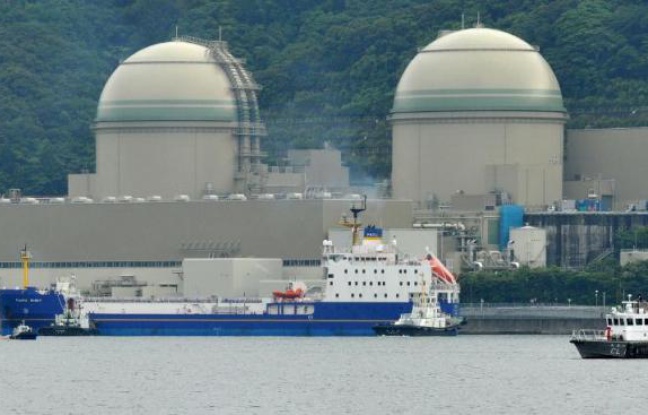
{"x":176,"y":118}
{"x":478,"y":112}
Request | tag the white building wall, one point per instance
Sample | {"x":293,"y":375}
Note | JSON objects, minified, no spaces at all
{"x":228,"y":277}
{"x":442,"y":156}
{"x":164,"y":162}
{"x":613,"y":154}
{"x":529,"y":245}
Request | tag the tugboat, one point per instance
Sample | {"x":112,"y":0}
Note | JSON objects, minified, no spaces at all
{"x":70,"y":323}
{"x":23,"y":332}
{"x":626,"y":334}
{"x":427,"y":318}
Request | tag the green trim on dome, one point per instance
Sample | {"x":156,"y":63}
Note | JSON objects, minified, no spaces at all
{"x":166,"y":110}
{"x":479,"y":100}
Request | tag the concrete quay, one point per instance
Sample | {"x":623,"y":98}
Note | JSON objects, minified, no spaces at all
{"x":530,"y":319}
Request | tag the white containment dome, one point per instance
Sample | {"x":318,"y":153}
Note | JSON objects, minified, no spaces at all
{"x":169,"y":122}
{"x":172,"y":81}
{"x":478,"y":111}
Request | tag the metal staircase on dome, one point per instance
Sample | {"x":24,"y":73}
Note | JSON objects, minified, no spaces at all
{"x":250,"y":127}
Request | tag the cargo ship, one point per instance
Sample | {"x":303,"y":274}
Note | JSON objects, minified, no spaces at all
{"x":367,"y":285}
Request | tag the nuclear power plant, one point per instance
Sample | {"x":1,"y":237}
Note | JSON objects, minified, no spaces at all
{"x":479,"y":149}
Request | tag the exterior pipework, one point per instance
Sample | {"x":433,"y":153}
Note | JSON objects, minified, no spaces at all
{"x":250,"y":126}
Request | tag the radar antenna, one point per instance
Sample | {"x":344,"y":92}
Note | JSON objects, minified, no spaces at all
{"x":355,"y":225}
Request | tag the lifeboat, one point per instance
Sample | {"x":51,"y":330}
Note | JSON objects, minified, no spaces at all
{"x":289,"y":294}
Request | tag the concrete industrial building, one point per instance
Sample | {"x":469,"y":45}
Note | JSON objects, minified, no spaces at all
{"x":181,"y":119}
{"x":608,"y":164}
{"x":478,"y":111}
{"x":169,"y":123}
{"x":150,"y":240}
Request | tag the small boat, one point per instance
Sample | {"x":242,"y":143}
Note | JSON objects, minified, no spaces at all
{"x":23,"y":332}
{"x":625,"y":336}
{"x":70,"y":323}
{"x":291,"y":293}
{"x":427,"y":318}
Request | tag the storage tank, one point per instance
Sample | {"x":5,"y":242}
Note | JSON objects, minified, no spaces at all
{"x":528,"y":245}
{"x":511,"y":216}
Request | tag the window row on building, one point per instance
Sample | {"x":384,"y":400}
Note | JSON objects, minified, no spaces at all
{"x":302,"y":262}
{"x":94,"y":264}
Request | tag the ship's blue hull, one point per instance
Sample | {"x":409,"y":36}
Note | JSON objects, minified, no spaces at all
{"x":35,"y":308}
{"x":38,"y":310}
{"x":329,"y":319}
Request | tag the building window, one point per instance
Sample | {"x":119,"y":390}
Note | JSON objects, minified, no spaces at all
{"x":337,"y":295}
{"x":330,"y":282}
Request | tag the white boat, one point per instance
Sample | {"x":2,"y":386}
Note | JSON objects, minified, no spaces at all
{"x":23,"y":332}
{"x":427,"y":318}
{"x":625,"y":335}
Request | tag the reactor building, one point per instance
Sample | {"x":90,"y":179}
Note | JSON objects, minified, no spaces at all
{"x":476,"y":112}
{"x":176,"y":118}
{"x":180,"y":119}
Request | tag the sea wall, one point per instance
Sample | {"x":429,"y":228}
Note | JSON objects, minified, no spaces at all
{"x":529,"y":325}
{"x":530,"y":319}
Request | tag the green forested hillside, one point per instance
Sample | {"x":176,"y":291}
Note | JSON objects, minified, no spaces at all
{"x":328,"y":67}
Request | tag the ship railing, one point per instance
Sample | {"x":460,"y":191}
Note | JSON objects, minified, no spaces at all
{"x":588,"y":334}
{"x":199,"y":300}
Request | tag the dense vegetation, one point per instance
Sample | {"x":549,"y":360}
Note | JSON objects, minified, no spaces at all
{"x":328,"y":67}
{"x":558,"y":286}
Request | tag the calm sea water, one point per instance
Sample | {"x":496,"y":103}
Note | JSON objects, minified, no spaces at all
{"x":466,"y":374}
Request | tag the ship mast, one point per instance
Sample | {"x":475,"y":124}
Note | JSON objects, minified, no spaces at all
{"x":25,"y":256}
{"x":355,"y":225}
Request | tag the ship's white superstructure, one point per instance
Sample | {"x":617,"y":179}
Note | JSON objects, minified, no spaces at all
{"x":629,"y":322}
{"x":374,"y":271}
